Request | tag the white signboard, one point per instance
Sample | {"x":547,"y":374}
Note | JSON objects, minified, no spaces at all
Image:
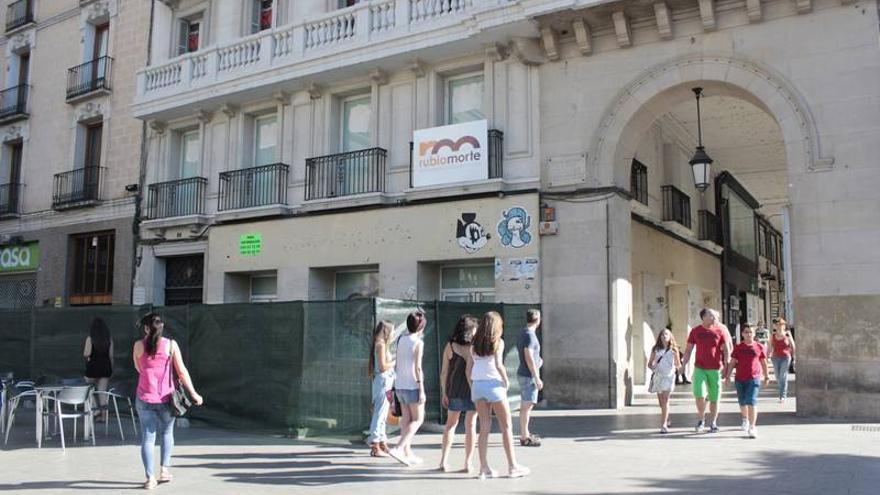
{"x":452,"y":153}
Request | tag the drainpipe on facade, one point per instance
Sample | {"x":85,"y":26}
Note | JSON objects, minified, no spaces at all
{"x":611,"y":377}
{"x":142,"y":174}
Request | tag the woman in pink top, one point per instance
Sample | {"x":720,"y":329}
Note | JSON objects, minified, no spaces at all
{"x":153,"y":357}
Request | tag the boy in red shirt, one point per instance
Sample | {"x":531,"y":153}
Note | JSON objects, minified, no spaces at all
{"x":750,"y":360}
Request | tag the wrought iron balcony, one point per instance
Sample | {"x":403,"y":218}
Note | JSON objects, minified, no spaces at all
{"x":18,"y":14}
{"x":345,"y":174}
{"x":79,"y":187}
{"x":177,"y":198}
{"x":707,"y":228}
{"x":13,"y":103}
{"x":676,"y":206}
{"x":255,"y":186}
{"x":89,"y":77}
{"x":9,"y":196}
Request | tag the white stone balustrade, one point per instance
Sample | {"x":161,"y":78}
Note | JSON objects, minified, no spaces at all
{"x":347,"y":28}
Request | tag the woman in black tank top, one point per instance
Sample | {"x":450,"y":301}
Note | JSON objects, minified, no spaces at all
{"x":457,"y":391}
{"x":98,"y":352}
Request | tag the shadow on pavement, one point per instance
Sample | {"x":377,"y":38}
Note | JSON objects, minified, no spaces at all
{"x":71,"y":485}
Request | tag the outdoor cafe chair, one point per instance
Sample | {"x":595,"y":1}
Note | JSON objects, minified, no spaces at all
{"x":5,"y":384}
{"x":74,"y":396}
{"x":14,"y":403}
{"x":112,"y":396}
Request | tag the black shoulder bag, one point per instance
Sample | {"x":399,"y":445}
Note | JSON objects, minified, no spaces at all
{"x":180,"y":401}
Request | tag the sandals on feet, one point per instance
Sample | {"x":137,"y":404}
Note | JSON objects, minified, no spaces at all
{"x":532,"y":441}
{"x":164,"y":477}
{"x":150,"y":484}
{"x":376,"y":451}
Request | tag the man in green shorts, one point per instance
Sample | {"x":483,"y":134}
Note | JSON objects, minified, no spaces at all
{"x":712,"y":343}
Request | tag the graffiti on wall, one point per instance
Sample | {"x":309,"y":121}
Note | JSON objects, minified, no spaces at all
{"x":514,"y":228}
{"x":470,"y":234}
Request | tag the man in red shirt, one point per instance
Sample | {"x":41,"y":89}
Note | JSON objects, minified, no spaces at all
{"x":712,"y":343}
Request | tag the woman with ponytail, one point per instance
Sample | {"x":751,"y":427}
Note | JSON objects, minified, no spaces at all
{"x":153,"y":357}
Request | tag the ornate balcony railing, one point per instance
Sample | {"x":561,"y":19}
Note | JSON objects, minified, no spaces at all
{"x":9,"y":195}
{"x":311,"y":38}
{"x":76,"y":187}
{"x":90,"y":76}
{"x":707,"y":227}
{"x":345,"y":174}
{"x":177,"y":198}
{"x":18,"y":14}
{"x":676,"y":206}
{"x":255,"y":186}
{"x":13,"y":102}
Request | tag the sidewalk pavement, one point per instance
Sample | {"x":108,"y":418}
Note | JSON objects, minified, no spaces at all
{"x":584,"y":451}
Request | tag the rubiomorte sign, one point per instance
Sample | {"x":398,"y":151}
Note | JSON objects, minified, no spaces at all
{"x":19,"y":258}
{"x":451,"y":153}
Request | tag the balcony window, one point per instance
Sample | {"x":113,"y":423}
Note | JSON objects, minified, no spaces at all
{"x":639,"y":182}
{"x":265,"y":140}
{"x":92,"y":280}
{"x":464,"y":98}
{"x":189,"y":34}
{"x":347,"y":3}
{"x":10,"y":188}
{"x":261,"y":16}
{"x":676,"y":206}
{"x":356,"y":115}
{"x":18,"y":14}
{"x":189,"y":159}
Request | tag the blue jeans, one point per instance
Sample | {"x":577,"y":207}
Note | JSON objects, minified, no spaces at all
{"x":381,"y":384}
{"x":780,"y":367}
{"x":155,"y":417}
{"x":747,"y":392}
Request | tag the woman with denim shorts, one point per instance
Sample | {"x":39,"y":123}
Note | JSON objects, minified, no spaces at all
{"x":489,"y":384}
{"x":750,"y":361}
{"x":410,"y":388}
{"x":457,"y":391}
{"x":153,"y":357}
{"x":782,"y":353}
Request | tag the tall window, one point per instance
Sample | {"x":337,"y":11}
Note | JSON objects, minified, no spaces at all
{"x":189,"y":34}
{"x":102,"y":37}
{"x":356,"y":285}
{"x":24,"y":67}
{"x":92,"y":150}
{"x":92,"y":268}
{"x":190,"y":154}
{"x":742,"y":226}
{"x":467,"y":283}
{"x":265,"y":140}
{"x":347,"y":3}
{"x":639,"y":182}
{"x":464,"y":98}
{"x":356,"y":115}
{"x":261,"y":15}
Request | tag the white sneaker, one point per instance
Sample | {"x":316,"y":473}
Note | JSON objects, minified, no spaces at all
{"x":745,"y":424}
{"x":753,"y":432}
{"x":520,"y":472}
{"x":664,"y":430}
{"x":415,"y":460}
{"x":491,"y":473}
{"x":700,"y":425}
{"x":399,"y":456}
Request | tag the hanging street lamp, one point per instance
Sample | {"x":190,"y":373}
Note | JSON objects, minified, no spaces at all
{"x":701,"y":161}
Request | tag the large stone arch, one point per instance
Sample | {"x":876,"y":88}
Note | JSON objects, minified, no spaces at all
{"x":652,"y":93}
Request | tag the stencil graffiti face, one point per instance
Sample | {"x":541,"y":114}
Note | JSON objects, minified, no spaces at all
{"x":514,"y":228}
{"x":470,"y":234}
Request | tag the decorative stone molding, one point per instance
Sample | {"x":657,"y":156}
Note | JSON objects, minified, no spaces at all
{"x":229,"y":110}
{"x":548,"y":41}
{"x":314,"y":91}
{"x":15,"y":133}
{"x":751,"y":80}
{"x":753,"y":9}
{"x":804,"y":6}
{"x":158,"y":127}
{"x":379,"y":76}
{"x":97,"y":11}
{"x":89,"y":111}
{"x":622,"y":29}
{"x":496,"y":51}
{"x":204,"y":116}
{"x":21,"y":42}
{"x":707,"y":14}
{"x":664,"y":20}
{"x":418,"y":68}
{"x":583,"y":36}
{"x":527,"y":51}
{"x":281,"y":97}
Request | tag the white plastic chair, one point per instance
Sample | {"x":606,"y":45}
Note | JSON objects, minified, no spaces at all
{"x":75,"y":396}
{"x":14,"y":402}
{"x":112,"y":396}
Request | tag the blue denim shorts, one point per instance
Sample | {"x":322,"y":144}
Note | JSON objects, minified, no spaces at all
{"x":488,"y":390}
{"x":407,"y":396}
{"x":747,"y":392}
{"x":461,"y":405}
{"x":528,"y":389}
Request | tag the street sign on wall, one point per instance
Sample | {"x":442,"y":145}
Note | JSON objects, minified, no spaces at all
{"x":451,"y":153}
{"x":19,"y":258}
